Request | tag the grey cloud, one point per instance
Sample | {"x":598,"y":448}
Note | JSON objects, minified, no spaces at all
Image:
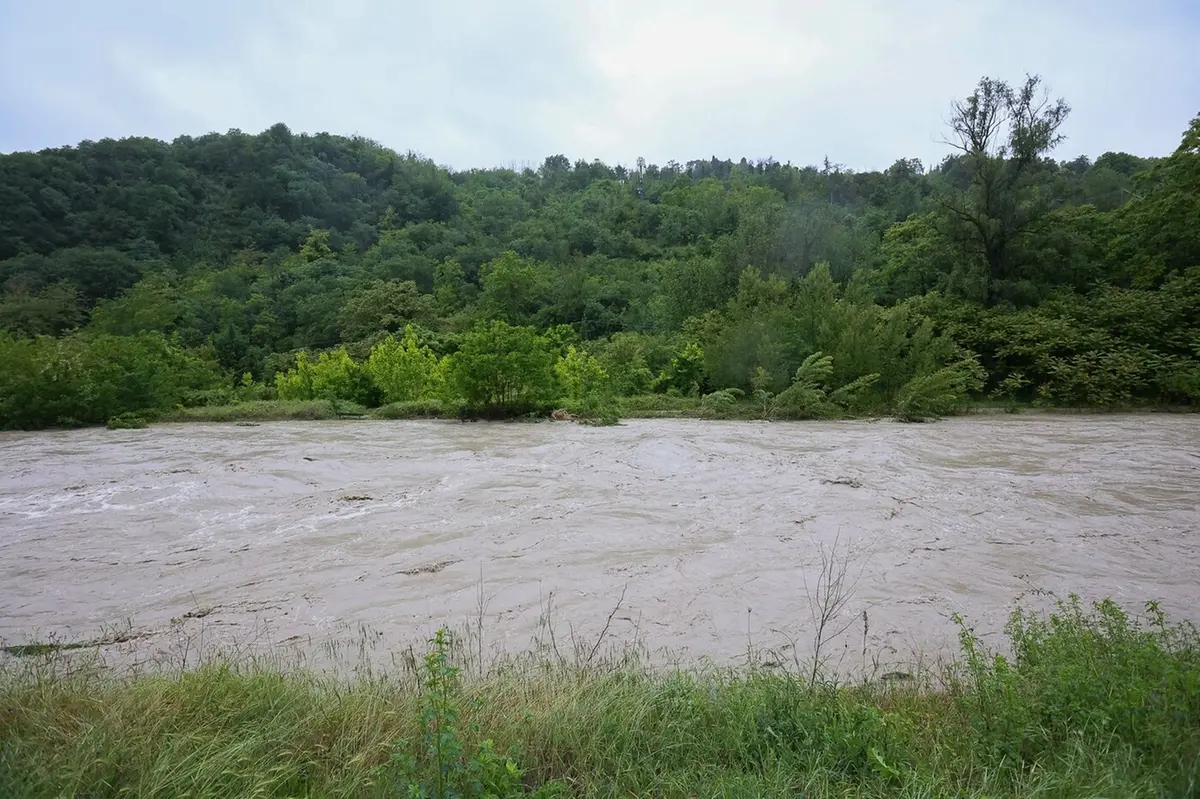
{"x":477,"y":83}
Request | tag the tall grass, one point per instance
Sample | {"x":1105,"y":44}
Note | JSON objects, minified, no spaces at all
{"x":265,"y":411}
{"x":653,"y":406}
{"x":1089,"y":702}
{"x":416,"y":409}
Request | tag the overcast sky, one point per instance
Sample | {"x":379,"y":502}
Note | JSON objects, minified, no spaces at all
{"x":477,"y":83}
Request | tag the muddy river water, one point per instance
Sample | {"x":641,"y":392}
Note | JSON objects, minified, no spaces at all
{"x":301,"y":533}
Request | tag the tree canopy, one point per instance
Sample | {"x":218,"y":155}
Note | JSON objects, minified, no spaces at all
{"x":286,"y":256}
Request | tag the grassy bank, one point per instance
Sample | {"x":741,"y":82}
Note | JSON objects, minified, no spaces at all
{"x":266,"y":411}
{"x":647,"y":406}
{"x":1089,"y":703}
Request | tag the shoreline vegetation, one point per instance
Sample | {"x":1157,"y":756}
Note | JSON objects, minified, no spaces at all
{"x":140,"y":276}
{"x":1087,"y":700}
{"x":636,"y":407}
{"x":651,"y":406}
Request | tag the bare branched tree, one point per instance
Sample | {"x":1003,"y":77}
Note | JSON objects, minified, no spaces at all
{"x":827,"y":601}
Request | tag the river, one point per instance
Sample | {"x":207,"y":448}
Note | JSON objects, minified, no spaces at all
{"x":302,"y":534}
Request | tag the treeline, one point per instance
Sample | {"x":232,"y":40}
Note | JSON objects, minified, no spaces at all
{"x":139,"y":275}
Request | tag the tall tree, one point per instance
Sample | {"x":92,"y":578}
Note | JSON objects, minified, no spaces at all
{"x":1159,"y":230}
{"x":1003,"y":133}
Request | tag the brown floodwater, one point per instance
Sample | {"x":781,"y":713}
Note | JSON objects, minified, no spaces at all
{"x":303,"y":533}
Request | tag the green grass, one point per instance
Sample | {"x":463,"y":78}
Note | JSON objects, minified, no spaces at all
{"x":418,"y":409}
{"x":660,"y":406}
{"x":264,"y":411}
{"x":646,"y":406}
{"x":1090,"y":702}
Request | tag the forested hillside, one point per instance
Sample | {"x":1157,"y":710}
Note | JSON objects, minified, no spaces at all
{"x":139,"y":275}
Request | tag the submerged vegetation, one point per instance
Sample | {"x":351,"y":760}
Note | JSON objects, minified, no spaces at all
{"x":138,"y":276}
{"x":1085,"y":702}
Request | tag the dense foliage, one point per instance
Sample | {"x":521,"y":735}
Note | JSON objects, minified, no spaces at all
{"x":136,"y":273}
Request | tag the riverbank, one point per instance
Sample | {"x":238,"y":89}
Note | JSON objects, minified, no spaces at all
{"x":648,"y":406}
{"x":1092,"y":702}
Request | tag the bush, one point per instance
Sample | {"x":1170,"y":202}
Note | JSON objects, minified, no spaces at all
{"x":686,"y":372}
{"x":597,"y":411}
{"x":404,"y":370}
{"x":88,"y":379}
{"x":580,"y":374}
{"x":808,"y":397}
{"x":334,"y":375}
{"x":659,"y":405}
{"x":805,"y":398}
{"x":1092,"y":678}
{"x":501,"y":371}
{"x":417,"y":409}
{"x":720,"y":404}
{"x":625,"y":358}
{"x":127,"y":421}
{"x":1095,"y":379}
{"x":935,"y":394}
{"x":259,"y":411}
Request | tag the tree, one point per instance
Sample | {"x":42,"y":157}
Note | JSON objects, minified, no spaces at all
{"x":1002,"y":133}
{"x":448,"y":286}
{"x":689,"y":288}
{"x":514,"y":288}
{"x":916,"y":258}
{"x":151,"y":304}
{"x":87,"y":379}
{"x":404,"y":370}
{"x":1159,"y":231}
{"x":686,"y":372}
{"x":384,"y":306}
{"x":810,"y":396}
{"x":933,"y":394}
{"x":1074,"y":281}
{"x":316,"y":246}
{"x":501,"y":370}
{"x":581,"y":375}
{"x":624,"y":359}
{"x":814,"y":231}
{"x":334,"y":375}
{"x":51,"y":310}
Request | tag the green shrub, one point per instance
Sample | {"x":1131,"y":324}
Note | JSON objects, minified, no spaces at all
{"x":442,"y":765}
{"x":686,"y":372}
{"x":938,"y":393}
{"x":404,"y":370}
{"x":720,"y":404}
{"x":597,"y":411}
{"x":809,"y":397}
{"x":416,"y":409}
{"x":502,"y":371}
{"x":580,"y":374}
{"x":806,"y":398}
{"x":259,"y":411}
{"x":334,"y":375}
{"x":245,"y":390}
{"x":127,"y":421}
{"x":659,"y":405}
{"x":624,"y":358}
{"x":88,"y":379}
{"x":1095,"y":379}
{"x":1094,"y":678}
